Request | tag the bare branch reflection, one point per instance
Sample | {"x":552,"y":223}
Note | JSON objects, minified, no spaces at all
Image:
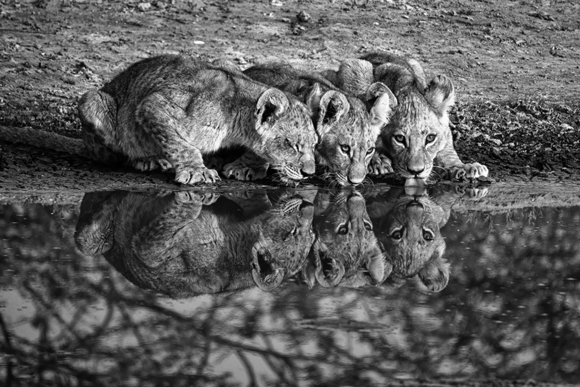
{"x":509,"y":311}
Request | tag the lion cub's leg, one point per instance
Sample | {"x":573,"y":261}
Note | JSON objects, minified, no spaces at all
{"x":449,"y":160}
{"x":97,"y":112}
{"x":380,"y":165}
{"x":248,"y":167}
{"x":162,"y":120}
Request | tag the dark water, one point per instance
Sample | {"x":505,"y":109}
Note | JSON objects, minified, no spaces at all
{"x":287,"y":288}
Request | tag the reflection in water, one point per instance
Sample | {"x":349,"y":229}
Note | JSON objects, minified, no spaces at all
{"x":346,"y":250}
{"x":334,"y":311}
{"x":409,"y":230}
{"x":182,"y":244}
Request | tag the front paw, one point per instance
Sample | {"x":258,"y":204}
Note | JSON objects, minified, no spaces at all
{"x":244,"y":172}
{"x":192,"y":175}
{"x":380,"y":165}
{"x":469,"y":171}
{"x":206,"y":199}
{"x":476,"y":193}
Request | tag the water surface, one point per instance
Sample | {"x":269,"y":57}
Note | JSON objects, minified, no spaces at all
{"x":287,"y":287}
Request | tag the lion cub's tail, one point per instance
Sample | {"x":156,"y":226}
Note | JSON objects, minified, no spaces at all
{"x":42,"y":139}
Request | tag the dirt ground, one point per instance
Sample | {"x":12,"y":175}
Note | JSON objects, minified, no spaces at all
{"x":515,"y":66}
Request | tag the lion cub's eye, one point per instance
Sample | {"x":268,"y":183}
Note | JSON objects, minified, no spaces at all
{"x":427,"y":235}
{"x":342,"y":230}
{"x":370,"y":151}
{"x":396,"y":235}
{"x":400,"y":138}
{"x":345,"y":149}
{"x":430,"y":138}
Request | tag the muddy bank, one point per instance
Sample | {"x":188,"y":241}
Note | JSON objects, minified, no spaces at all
{"x":514,"y":68}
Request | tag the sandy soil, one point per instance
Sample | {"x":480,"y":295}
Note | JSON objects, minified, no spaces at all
{"x":515,"y":65}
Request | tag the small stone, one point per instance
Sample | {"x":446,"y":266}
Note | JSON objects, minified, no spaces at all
{"x":144,"y":7}
{"x":303,"y":17}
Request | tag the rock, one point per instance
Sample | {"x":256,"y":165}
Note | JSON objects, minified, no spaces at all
{"x":303,"y":17}
{"x":144,"y":7}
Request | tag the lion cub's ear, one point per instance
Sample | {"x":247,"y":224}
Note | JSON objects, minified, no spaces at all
{"x":435,"y":274}
{"x":265,"y":273}
{"x":441,"y":94}
{"x":333,"y":105}
{"x":313,"y":100}
{"x":308,"y":273}
{"x":271,"y":104}
{"x":384,"y":264}
{"x":377,"y":268}
{"x":382,"y":101}
{"x":328,"y":271}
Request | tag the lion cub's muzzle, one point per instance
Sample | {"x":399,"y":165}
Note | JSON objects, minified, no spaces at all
{"x":308,"y":169}
{"x":307,"y":165}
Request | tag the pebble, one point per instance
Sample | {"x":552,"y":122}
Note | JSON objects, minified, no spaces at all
{"x":144,"y":6}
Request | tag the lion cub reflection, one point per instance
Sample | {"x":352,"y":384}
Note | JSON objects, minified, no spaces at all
{"x":409,"y":229}
{"x":346,"y":245}
{"x":182,"y":244}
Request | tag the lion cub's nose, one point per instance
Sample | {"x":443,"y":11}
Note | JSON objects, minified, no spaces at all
{"x":415,"y":170}
{"x":355,"y":180}
{"x":308,"y":168}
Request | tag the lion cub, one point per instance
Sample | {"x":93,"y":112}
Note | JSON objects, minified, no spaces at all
{"x":417,"y":136}
{"x":347,"y":128}
{"x":169,"y":111}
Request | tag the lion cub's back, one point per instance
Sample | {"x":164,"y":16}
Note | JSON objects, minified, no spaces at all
{"x":154,"y":74}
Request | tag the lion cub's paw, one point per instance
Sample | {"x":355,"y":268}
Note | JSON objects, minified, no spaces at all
{"x":476,"y":193}
{"x":380,"y":165}
{"x":205,"y":199}
{"x":469,"y":171}
{"x":244,"y":172}
{"x":151,"y":164}
{"x":192,"y":176}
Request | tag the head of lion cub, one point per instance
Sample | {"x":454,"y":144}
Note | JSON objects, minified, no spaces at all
{"x":409,"y":230}
{"x":348,"y":130}
{"x":347,"y":127}
{"x":418,"y":131}
{"x":287,"y":137}
{"x":285,"y":237}
{"x":346,"y":245}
